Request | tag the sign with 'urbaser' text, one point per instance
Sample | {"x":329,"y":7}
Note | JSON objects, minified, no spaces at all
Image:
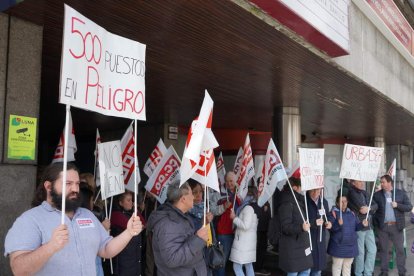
{"x":101,"y":71}
{"x":360,"y":162}
{"x":311,"y":168}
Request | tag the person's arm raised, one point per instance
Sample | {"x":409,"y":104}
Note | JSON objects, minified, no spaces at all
{"x":117,"y":244}
{"x":29,"y":262}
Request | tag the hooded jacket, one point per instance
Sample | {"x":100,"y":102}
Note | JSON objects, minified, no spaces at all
{"x":177,"y":249}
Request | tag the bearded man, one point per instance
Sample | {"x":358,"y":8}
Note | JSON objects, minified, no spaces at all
{"x":39,"y":244}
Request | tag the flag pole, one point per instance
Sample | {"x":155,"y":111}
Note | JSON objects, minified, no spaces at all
{"x":65,"y":164}
{"x":205,"y":203}
{"x":94,"y":167}
{"x":393,"y":187}
{"x":307,"y":218}
{"x":340,"y":199}
{"x":135,"y":169}
{"x":97,"y":196}
{"x":370,"y":200}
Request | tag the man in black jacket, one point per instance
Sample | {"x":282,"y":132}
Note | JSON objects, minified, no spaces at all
{"x":358,"y":200}
{"x":390,"y":221}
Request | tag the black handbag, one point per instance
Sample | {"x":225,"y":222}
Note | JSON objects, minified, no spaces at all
{"x":214,"y":253}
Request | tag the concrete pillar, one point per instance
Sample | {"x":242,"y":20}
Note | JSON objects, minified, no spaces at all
{"x":287,"y":133}
{"x":380,"y":143}
{"x":20,"y":70}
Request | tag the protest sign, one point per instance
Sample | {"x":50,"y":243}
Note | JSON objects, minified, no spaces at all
{"x":361,"y":162}
{"x":164,"y":174}
{"x":311,"y":168}
{"x":101,"y":71}
{"x":110,"y":169}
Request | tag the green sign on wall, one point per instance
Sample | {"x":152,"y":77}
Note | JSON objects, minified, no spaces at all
{"x":22,"y":138}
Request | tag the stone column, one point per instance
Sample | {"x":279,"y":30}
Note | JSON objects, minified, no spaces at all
{"x":380,"y":142}
{"x":20,"y":70}
{"x":287,"y":133}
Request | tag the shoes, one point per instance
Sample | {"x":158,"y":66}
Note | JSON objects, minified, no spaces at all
{"x":384,"y":274}
{"x":262,"y":272}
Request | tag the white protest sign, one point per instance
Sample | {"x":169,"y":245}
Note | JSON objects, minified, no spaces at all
{"x":360,"y":162}
{"x":166,"y":172}
{"x":101,"y":72}
{"x":311,"y":168}
{"x":110,"y":169}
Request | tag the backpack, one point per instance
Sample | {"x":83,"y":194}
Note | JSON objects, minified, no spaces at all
{"x":274,"y":232}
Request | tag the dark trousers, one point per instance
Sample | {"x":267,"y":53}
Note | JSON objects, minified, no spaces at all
{"x":385,"y":235}
{"x":260,"y":250}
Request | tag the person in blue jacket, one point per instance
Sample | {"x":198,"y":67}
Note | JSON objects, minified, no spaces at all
{"x":343,"y":245}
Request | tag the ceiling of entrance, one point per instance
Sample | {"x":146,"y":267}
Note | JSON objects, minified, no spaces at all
{"x":249,"y":68}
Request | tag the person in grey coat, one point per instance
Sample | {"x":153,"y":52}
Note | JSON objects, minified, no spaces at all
{"x":177,"y":246}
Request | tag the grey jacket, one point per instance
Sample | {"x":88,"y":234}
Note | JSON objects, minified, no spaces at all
{"x":177,"y":249}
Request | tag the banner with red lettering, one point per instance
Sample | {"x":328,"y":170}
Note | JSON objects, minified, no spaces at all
{"x":246,"y":170}
{"x":128,"y":159}
{"x":221,"y":174}
{"x":167,"y":172}
{"x":311,"y":168}
{"x":361,"y":162}
{"x":273,"y":172}
{"x":237,"y":163}
{"x":198,"y":158}
{"x":155,"y":158}
{"x":101,"y":71}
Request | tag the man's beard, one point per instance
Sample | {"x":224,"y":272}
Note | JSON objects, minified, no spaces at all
{"x":71,"y":204}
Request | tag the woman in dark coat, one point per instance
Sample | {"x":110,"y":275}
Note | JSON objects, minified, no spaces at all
{"x":318,"y":245}
{"x":128,"y":261}
{"x":295,"y":254}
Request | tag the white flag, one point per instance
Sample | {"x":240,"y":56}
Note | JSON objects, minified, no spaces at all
{"x":198,"y":156}
{"x":155,"y":158}
{"x":206,"y":172}
{"x":221,"y":173}
{"x":96,"y":173}
{"x":246,"y":170}
{"x":273,"y":172}
{"x":392,"y":171}
{"x":72,"y":148}
{"x":238,"y":162}
{"x":128,"y":159}
{"x":165,"y":173}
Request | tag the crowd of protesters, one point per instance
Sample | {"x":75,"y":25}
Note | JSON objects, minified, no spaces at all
{"x":171,"y":238}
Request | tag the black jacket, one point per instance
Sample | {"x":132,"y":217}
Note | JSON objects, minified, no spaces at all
{"x":404,"y":205}
{"x":357,"y":199}
{"x":294,"y":245}
{"x":318,"y":247}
